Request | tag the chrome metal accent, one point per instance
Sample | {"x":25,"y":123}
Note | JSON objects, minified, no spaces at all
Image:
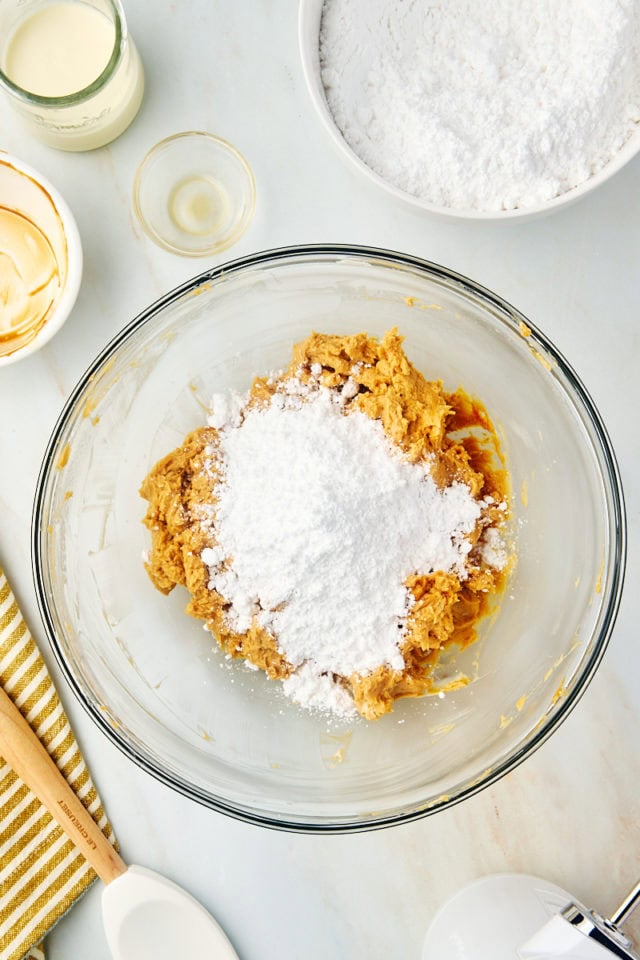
{"x":629,"y":903}
{"x":603,"y":931}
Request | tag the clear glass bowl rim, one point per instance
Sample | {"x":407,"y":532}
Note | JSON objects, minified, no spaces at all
{"x":512,"y":320}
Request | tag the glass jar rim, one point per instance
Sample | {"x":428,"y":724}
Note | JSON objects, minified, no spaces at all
{"x":94,"y":87}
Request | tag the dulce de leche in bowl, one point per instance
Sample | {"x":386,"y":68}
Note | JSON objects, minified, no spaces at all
{"x":40,"y":260}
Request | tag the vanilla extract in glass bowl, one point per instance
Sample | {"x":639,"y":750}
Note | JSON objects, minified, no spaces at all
{"x":194,"y":194}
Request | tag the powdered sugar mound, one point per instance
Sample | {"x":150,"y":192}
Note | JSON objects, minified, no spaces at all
{"x":226,"y":410}
{"x":324,"y":521}
{"x":493,"y":549}
{"x":317,"y":691}
{"x":213,"y":556}
{"x":483,"y":105}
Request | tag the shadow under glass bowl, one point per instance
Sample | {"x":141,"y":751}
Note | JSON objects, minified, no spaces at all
{"x":225,"y":735}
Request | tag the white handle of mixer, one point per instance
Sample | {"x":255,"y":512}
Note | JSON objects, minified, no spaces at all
{"x":559,"y":939}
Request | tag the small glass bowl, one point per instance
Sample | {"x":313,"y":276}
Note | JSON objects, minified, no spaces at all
{"x":194,"y":194}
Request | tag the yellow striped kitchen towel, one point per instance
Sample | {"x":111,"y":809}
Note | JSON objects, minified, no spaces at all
{"x":41,"y":872}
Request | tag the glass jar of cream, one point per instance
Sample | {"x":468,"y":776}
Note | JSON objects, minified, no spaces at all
{"x":71,"y":69}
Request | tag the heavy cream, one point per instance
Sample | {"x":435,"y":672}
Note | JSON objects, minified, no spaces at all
{"x":69,"y":49}
{"x":60,"y":49}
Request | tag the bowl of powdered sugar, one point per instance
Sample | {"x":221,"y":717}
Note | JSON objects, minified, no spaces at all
{"x":308,"y":429}
{"x":495,"y":110}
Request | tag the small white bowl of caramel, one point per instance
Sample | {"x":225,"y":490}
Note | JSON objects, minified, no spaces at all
{"x":40,"y":260}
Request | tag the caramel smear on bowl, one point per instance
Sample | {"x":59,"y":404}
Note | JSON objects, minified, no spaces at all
{"x":29,"y":280}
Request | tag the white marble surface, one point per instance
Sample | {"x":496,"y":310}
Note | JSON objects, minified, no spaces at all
{"x":572,"y":811}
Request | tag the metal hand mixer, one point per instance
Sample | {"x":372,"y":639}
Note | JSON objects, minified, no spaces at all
{"x":519,"y":917}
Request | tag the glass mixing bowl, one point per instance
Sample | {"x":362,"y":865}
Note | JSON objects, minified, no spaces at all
{"x":225,"y":735}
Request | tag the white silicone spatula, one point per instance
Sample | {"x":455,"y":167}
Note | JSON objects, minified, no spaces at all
{"x":146,"y":917}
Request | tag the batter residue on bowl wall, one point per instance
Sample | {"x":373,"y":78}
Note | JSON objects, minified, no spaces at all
{"x":338,"y":526}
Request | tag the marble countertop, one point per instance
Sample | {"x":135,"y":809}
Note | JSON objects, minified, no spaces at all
{"x":571,"y":813}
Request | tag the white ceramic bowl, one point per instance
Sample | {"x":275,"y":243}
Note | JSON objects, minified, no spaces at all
{"x":310,"y":12}
{"x":25,"y":190}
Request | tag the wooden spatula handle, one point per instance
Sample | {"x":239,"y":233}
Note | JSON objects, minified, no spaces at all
{"x":21,"y":749}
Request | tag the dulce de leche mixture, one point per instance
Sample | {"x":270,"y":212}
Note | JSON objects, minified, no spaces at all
{"x":337,"y":527}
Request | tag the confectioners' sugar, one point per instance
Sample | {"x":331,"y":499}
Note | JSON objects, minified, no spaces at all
{"x":318,"y":691}
{"x":493,"y":549}
{"x":226,"y":409}
{"x":318,"y":523}
{"x":483,"y":105}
